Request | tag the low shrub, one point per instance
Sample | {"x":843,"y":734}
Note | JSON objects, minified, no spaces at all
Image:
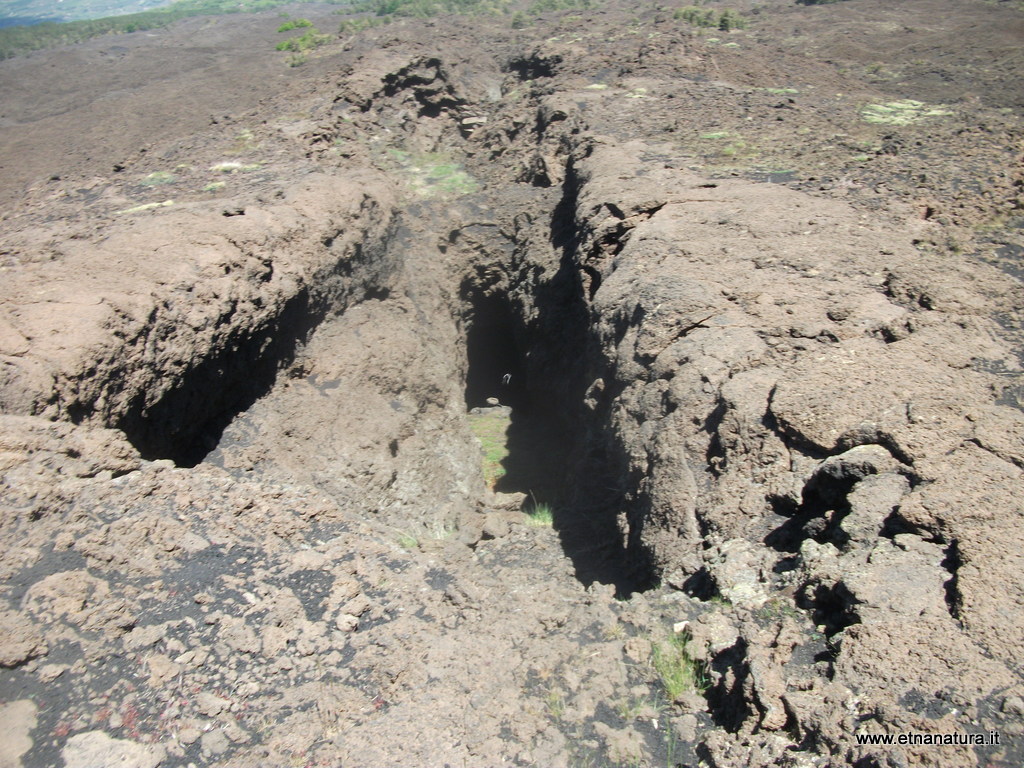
{"x":288,"y":26}
{"x":307,"y":42}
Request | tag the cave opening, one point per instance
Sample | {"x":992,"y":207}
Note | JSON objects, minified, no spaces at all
{"x":526,"y":383}
{"x":497,"y":370}
{"x":509,"y":401}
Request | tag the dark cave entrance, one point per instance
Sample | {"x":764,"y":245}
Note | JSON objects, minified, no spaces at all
{"x":511,"y":401}
{"x":496,"y":362}
{"x":536,"y":376}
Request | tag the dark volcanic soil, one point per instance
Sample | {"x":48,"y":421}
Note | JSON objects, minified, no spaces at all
{"x":748,"y":301}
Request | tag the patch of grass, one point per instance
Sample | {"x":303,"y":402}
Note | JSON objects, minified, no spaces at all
{"x":352,"y":26}
{"x":616,"y":631}
{"x":633,"y":708}
{"x":554,"y":701}
{"x":541,"y":516}
{"x":541,"y":6}
{"x":158,"y":178}
{"x":677,"y":671}
{"x":777,"y":609}
{"x":429,"y":8}
{"x":245,"y":141}
{"x":146,"y":207}
{"x":708,"y":18}
{"x":442,"y":531}
{"x":734,"y":148}
{"x":491,"y":430}
{"x":234,"y":167}
{"x":214,"y":186}
{"x":715,"y":135}
{"x":434,"y":174}
{"x":408,"y":541}
{"x":903,"y":112}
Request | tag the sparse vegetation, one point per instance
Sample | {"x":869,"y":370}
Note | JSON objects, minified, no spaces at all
{"x":353,"y":26}
{"x":15,"y":40}
{"x":554,"y":700}
{"x":709,"y":18}
{"x":158,"y":178}
{"x":490,"y":429}
{"x":234,"y":167}
{"x":288,"y":26}
{"x":632,"y":708}
{"x":305,"y":42}
{"x":428,"y":8}
{"x":146,"y":207}
{"x":676,"y":669}
{"x":903,"y":112}
{"x":541,"y":6}
{"x":434,"y":174}
{"x":777,"y":609}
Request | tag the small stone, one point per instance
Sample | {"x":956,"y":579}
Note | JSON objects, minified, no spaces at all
{"x":50,"y":672}
{"x":235,"y":732}
{"x":1013,"y":705}
{"x":19,"y":718}
{"x":161,"y":669}
{"x":88,"y":750}
{"x":210,"y":704}
{"x":691,"y":701}
{"x":637,"y":649}
{"x":686,"y":728}
{"x":357,"y":606}
{"x":215,"y":742}
{"x":348,"y":623}
{"x":495,"y":527}
{"x":20,"y":639}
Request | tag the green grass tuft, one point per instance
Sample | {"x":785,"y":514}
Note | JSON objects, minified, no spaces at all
{"x":676,"y":669}
{"x":541,"y":516}
{"x":158,"y":178}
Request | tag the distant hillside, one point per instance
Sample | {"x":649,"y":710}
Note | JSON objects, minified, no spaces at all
{"x":36,"y":11}
{"x":44,"y":33}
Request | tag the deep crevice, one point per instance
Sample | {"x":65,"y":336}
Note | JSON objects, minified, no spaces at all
{"x":187,"y":422}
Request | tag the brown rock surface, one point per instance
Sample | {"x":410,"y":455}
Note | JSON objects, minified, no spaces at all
{"x":760,"y":358}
